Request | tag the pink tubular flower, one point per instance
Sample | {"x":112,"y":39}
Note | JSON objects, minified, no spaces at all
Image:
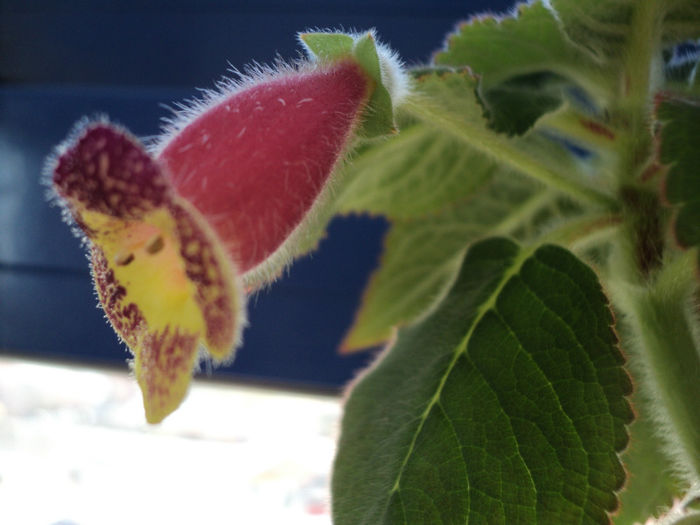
{"x":224,"y":200}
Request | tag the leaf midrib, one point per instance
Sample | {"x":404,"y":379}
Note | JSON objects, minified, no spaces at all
{"x":489,"y":304}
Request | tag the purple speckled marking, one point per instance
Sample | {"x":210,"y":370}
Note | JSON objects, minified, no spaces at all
{"x":108,"y":171}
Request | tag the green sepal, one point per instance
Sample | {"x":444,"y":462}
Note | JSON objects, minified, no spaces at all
{"x":328,"y":47}
{"x":378,"y":116}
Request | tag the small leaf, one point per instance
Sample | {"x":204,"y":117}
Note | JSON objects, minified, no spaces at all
{"x":506,"y":405}
{"x":679,"y":149}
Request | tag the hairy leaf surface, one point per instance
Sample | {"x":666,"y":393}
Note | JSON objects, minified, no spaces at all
{"x":416,"y":172}
{"x":506,"y":405}
{"x":422,"y":256}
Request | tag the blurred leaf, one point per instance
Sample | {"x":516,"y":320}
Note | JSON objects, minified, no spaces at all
{"x":682,"y":21}
{"x":447,"y":100}
{"x":526,"y":66}
{"x":604,"y":26}
{"x":531,"y":41}
{"x":422,"y":256}
{"x":506,"y":405}
{"x":514,"y":106}
{"x":679,"y":149}
{"x":418,"y":171}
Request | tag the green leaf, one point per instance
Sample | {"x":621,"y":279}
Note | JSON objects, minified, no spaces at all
{"x":422,"y":256}
{"x":601,"y":26}
{"x":679,"y":149}
{"x":514,"y":106}
{"x":530,"y":41}
{"x":605,"y":27}
{"x":506,"y":405}
{"x":650,"y":486}
{"x":416,"y":172}
{"x":447,"y":101}
{"x":526,"y":66}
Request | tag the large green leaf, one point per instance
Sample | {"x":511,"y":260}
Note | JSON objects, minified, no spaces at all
{"x":679,"y":149}
{"x":422,"y":256}
{"x":506,"y":405}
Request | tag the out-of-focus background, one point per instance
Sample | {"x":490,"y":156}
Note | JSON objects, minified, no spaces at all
{"x":254,"y":441}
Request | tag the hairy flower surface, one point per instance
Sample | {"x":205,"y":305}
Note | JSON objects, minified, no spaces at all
{"x":223,"y":201}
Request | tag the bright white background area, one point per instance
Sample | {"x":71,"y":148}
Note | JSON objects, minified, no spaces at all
{"x":75,"y":450}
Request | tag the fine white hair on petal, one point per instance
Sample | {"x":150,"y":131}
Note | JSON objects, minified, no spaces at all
{"x":183,"y":113}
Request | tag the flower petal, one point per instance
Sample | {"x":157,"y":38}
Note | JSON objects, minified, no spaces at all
{"x":256,"y":161}
{"x":163,"y":280}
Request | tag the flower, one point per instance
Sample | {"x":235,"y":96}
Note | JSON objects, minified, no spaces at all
{"x":235,"y":189}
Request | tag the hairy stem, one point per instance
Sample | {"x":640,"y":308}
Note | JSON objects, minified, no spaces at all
{"x":641,"y":76}
{"x":661,"y":318}
{"x":503,"y":150}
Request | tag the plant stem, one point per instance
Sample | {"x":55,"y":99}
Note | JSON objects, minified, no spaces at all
{"x":662,"y":319}
{"x":641,"y":76}
{"x":505,"y":151}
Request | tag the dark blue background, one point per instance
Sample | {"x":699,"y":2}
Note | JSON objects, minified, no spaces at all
{"x":60,"y":61}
